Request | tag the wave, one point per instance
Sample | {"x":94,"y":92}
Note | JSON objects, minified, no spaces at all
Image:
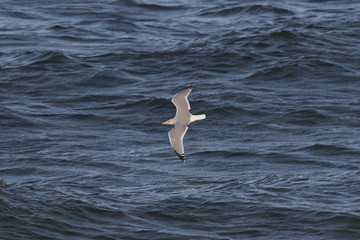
{"x":306,"y":117}
{"x":234,"y":111}
{"x":295,"y":158}
{"x":282,"y":33}
{"x":274,"y":157}
{"x":36,"y":59}
{"x":328,"y":149}
{"x":105,"y":79}
{"x":12,"y":118}
{"x":250,"y":9}
{"x":150,"y":6}
{"x":225,"y":154}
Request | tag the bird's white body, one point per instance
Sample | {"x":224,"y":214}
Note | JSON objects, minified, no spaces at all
{"x":181,"y":121}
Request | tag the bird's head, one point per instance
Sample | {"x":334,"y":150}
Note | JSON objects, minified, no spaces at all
{"x":169,"y":122}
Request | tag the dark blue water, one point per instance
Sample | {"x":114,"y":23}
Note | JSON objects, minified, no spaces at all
{"x":85,"y":86}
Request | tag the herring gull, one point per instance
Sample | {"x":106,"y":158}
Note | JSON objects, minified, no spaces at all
{"x":181,"y":121}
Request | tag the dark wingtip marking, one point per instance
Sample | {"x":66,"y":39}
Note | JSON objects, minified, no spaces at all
{"x":181,"y":156}
{"x":192,"y":86}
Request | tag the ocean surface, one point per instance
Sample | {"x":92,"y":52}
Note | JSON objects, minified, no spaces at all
{"x":85,"y":86}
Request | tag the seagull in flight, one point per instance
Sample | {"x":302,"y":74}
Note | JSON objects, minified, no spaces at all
{"x":181,"y":121}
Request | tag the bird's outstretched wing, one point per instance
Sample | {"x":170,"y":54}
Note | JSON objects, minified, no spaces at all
{"x":176,"y":136}
{"x":181,"y":102}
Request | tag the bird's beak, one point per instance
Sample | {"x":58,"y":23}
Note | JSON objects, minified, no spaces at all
{"x":164,"y":123}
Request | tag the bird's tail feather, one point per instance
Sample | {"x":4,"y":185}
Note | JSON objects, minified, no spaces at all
{"x":197,"y":117}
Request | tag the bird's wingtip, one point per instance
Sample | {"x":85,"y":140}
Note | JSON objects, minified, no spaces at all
{"x":181,"y":156}
{"x":191,"y":86}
